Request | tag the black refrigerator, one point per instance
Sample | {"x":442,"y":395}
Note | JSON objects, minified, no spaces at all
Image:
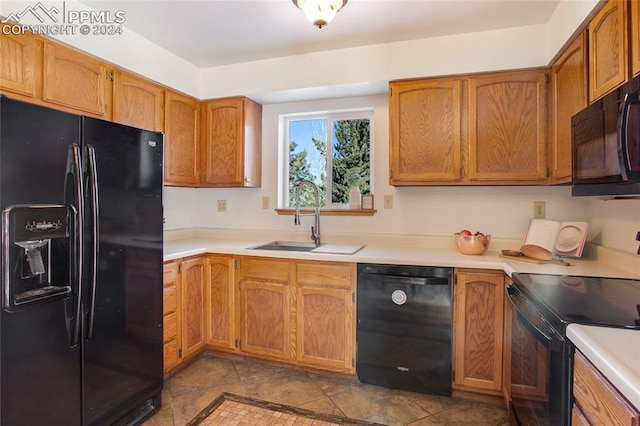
{"x":81,"y":317}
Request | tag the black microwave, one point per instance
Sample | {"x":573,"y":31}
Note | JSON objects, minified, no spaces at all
{"x":605,"y":140}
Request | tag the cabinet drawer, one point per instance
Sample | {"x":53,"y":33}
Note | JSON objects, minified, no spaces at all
{"x":171,"y":354}
{"x":170,"y":328}
{"x":264,"y":269}
{"x":169,"y":300}
{"x":325,"y":274}
{"x":170,"y":274}
{"x":598,"y":399}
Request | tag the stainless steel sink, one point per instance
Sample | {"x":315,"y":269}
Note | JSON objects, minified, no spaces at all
{"x":285,"y":246}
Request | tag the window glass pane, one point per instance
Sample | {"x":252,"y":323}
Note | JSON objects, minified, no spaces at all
{"x":351,"y":160}
{"x":308,"y":159}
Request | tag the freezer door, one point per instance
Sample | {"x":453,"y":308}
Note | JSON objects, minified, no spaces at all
{"x":40,"y":371}
{"x":123,"y":306}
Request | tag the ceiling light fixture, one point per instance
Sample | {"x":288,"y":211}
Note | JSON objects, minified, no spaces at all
{"x":320,"y":12}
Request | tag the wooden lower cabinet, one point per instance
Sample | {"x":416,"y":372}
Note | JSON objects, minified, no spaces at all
{"x":171,"y":325}
{"x":193,"y":299}
{"x":265,"y":303}
{"x":299,"y":312}
{"x":596,"y":400}
{"x":326,"y":319}
{"x":183,"y":308}
{"x":220,"y":306}
{"x":478,"y":330}
{"x":265,"y":309}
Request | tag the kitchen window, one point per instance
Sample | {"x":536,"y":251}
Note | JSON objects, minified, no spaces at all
{"x":332,"y":150}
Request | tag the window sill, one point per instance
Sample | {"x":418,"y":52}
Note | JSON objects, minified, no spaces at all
{"x":329,"y":212}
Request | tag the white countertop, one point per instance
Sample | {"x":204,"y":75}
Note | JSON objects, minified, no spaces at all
{"x":615,"y":352}
{"x":419,"y":256}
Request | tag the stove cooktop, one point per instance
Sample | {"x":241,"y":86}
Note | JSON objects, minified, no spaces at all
{"x":610,"y":302}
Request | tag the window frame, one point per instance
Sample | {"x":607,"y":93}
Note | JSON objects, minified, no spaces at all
{"x":331,"y":116}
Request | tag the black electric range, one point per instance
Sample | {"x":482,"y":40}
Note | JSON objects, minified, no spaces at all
{"x":545,"y":305}
{"x":566,"y":299}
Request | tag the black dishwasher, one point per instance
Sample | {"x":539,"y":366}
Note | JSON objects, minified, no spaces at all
{"x":404,"y":327}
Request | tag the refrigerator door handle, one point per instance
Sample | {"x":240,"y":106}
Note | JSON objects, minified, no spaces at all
{"x":93,"y":192}
{"x":74,"y":168}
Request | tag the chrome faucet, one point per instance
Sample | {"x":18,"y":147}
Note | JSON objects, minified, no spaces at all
{"x":315,"y":230}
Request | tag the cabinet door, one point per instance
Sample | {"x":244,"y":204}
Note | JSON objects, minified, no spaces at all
{"x":171,"y":321}
{"x":193,"y":298}
{"x":76,"y":81}
{"x":635,"y":37}
{"x":608,"y":57}
{"x":425,"y":131}
{"x":181,"y":140}
{"x":221,"y":310}
{"x":325,"y":323}
{"x":20,"y":64}
{"x":224,"y":149}
{"x":137,"y":102}
{"x":507,"y":127}
{"x":266,"y":325}
{"x":478,"y":318}
{"x":568,"y":96}
{"x":232,"y":144}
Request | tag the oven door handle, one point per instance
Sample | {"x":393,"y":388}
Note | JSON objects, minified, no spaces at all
{"x":529,"y":316}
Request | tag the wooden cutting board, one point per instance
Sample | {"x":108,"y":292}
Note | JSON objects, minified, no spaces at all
{"x":532,"y":260}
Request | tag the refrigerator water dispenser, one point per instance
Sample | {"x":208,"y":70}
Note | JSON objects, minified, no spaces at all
{"x":39,"y":250}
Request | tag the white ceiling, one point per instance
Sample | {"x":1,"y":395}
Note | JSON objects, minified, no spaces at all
{"x":209,"y":33}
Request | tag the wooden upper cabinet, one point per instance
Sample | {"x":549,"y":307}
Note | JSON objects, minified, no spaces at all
{"x":608,"y":51}
{"x":568,"y":96}
{"x":507,"y":127}
{"x":193,"y":310}
{"x":232,"y":143}
{"x":221,"y":303}
{"x":425,"y":131}
{"x":21,"y":64}
{"x":478,"y":330}
{"x":181,"y":140}
{"x":76,"y":81}
{"x":635,"y":37}
{"x":137,"y":102}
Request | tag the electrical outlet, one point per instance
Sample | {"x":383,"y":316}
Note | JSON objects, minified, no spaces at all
{"x":265,"y":202}
{"x":388,"y":201}
{"x":539,"y":209}
{"x":222,"y":205}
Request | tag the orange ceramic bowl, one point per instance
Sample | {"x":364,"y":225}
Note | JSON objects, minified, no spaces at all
{"x":472,"y":244}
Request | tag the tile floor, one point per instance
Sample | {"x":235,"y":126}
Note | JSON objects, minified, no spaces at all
{"x":193,"y":388}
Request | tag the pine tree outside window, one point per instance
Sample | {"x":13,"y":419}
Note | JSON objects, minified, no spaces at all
{"x":332,"y":150}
